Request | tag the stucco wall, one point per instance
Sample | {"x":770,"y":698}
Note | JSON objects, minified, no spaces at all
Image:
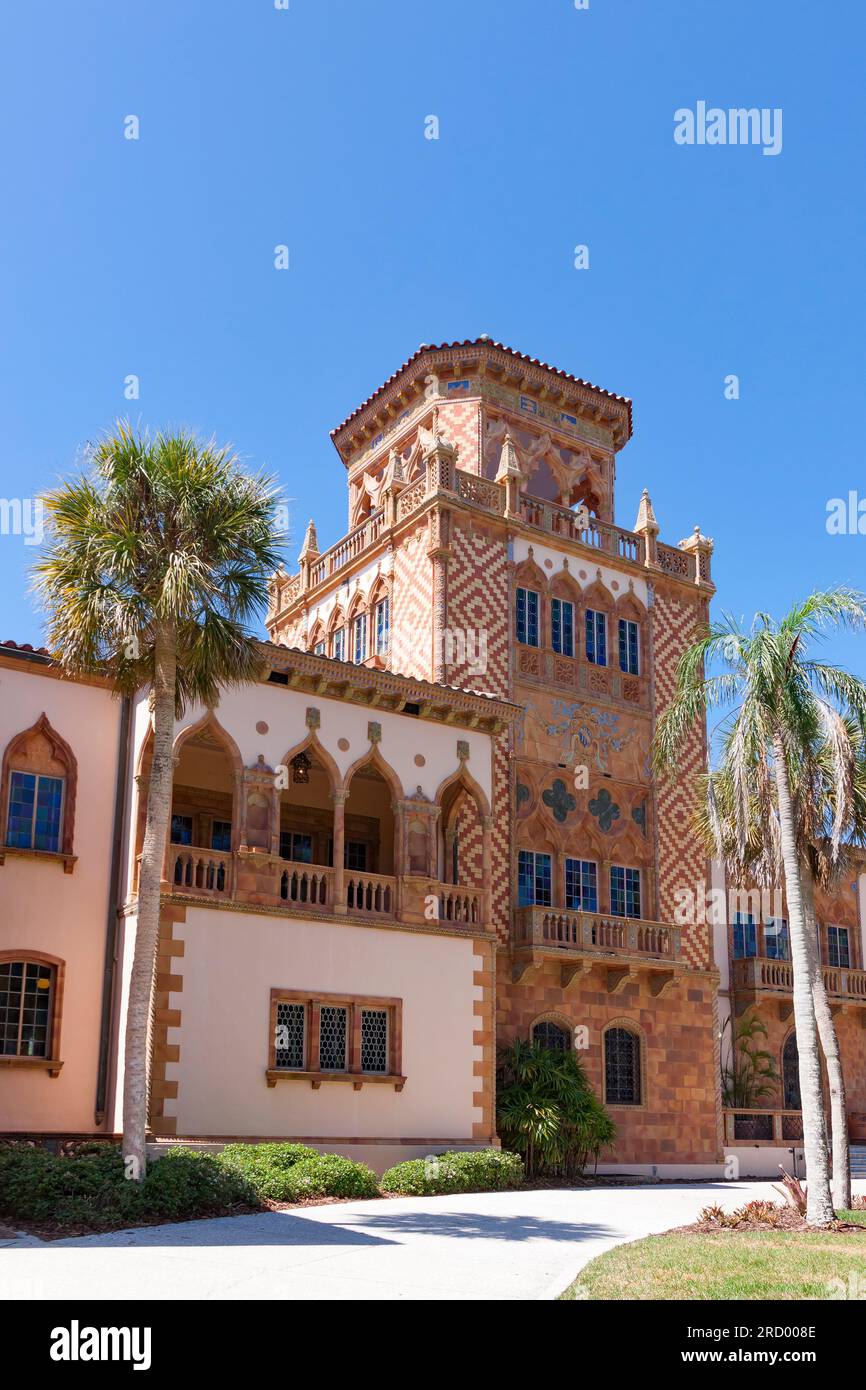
{"x":230,"y":963}
{"x":43,"y":909}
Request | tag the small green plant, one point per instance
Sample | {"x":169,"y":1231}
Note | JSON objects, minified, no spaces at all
{"x":750,"y":1074}
{"x":548,"y":1112}
{"x":480,"y":1170}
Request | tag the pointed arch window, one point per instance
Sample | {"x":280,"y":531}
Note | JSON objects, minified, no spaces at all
{"x":37,"y":793}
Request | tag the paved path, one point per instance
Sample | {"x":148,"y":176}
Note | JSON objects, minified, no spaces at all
{"x":497,"y":1245}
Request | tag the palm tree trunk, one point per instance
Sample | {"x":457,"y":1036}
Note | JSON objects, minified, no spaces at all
{"x":830,"y":1048}
{"x":138,"y":1010}
{"x":819,"y":1202}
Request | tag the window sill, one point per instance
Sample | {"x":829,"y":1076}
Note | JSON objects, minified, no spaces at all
{"x":315,"y":1078}
{"x":49,"y":1064}
{"x":47,"y":855}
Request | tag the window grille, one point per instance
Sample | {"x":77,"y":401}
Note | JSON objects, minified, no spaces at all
{"x":374,"y":1040}
{"x":290,"y":1036}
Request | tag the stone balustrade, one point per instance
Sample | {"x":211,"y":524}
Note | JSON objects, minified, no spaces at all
{"x":558,"y":929}
{"x":759,"y":975}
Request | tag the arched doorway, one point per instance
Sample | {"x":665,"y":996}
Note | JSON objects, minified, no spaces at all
{"x":203,"y":813}
{"x":369,"y":853}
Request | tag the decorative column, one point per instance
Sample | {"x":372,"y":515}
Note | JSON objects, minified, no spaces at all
{"x":486,"y":870}
{"x":439,"y":553}
{"x":339,"y":799}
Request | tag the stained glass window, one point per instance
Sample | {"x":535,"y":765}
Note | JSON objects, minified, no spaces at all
{"x":35,"y":811}
{"x":628,"y":647}
{"x":527,"y":617}
{"x":562,"y":626}
{"x":596,"y":637}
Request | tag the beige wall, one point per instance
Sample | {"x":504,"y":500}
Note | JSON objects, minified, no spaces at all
{"x":44,"y":909}
{"x":230,"y":963}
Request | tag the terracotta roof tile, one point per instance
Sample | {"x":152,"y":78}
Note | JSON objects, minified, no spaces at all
{"x":487,"y":342}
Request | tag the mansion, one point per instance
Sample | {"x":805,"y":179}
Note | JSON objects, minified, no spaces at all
{"x":431,"y":827}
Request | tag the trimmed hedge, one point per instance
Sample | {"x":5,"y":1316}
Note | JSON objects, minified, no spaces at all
{"x":266,"y":1166}
{"x":90,"y":1188}
{"x":480,"y":1170}
{"x":289,"y":1172}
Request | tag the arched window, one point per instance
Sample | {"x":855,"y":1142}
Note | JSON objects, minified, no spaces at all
{"x":791,"y":1073}
{"x":37,"y":791}
{"x":30,"y":989}
{"x":622,"y":1069}
{"x":550,"y":1035}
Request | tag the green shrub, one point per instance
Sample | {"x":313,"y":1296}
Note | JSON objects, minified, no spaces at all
{"x":329,"y":1175}
{"x":480,"y":1170}
{"x":90,"y":1187}
{"x":266,"y":1166}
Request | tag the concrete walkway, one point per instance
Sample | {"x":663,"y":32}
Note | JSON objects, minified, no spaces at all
{"x":497,"y":1245}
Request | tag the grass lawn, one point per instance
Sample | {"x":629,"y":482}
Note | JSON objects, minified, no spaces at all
{"x":730,"y":1264}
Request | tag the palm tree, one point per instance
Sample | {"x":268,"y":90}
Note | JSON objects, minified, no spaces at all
{"x":784,"y":706}
{"x":158,"y":560}
{"x":756,"y":859}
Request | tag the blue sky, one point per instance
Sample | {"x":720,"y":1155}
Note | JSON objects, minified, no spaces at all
{"x":306,"y":127}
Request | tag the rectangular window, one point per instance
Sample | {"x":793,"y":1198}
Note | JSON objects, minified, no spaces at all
{"x":181,"y":830}
{"x":837,"y":948}
{"x":356,"y":854}
{"x":624,"y":891}
{"x":338,"y":644}
{"x":776,"y":941}
{"x":374,"y":1040}
{"x":596,"y":637}
{"x":358,"y":1036}
{"x":383,"y":627}
{"x":745,"y":936}
{"x":297,"y":847}
{"x":26,"y":990}
{"x":359,"y":639}
{"x":332,"y":1037}
{"x":534,"y":879}
{"x":35,"y":808}
{"x":562,"y":626}
{"x":527,"y":617}
{"x":221,"y":836}
{"x":628,"y":647}
{"x":290,"y":1036}
{"x":581,"y":885}
{"x":319,"y":649}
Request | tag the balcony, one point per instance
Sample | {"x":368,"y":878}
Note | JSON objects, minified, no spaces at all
{"x":254,"y":877}
{"x":689,"y":562}
{"x":622,"y":948}
{"x":758,"y":978}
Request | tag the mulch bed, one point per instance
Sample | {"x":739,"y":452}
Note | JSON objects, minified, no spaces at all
{"x":788,"y":1220}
